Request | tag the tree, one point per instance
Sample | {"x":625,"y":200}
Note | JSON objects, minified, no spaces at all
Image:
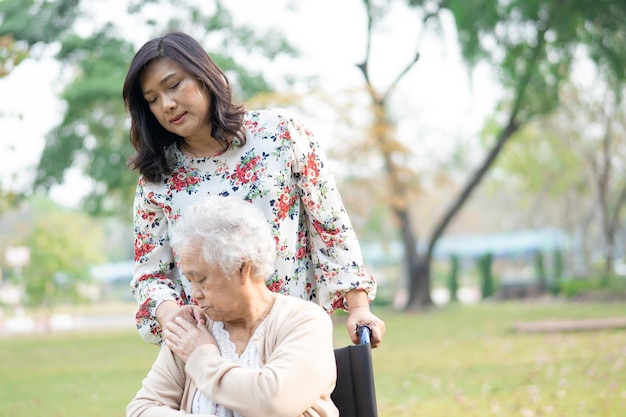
{"x":582,"y":143}
{"x":10,"y":54}
{"x":400,"y":177}
{"x":549,"y":180}
{"x":63,"y":245}
{"x":594,"y":126}
{"x":532,"y":46}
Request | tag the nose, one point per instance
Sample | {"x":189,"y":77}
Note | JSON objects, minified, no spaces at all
{"x":196,"y":292}
{"x":169,"y":103}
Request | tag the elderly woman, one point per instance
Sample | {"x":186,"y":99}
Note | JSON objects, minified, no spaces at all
{"x":251,"y":352}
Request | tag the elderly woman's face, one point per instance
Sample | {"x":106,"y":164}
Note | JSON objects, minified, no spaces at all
{"x":214,"y":292}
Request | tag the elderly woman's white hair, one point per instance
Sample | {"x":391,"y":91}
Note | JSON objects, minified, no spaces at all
{"x":228,"y":232}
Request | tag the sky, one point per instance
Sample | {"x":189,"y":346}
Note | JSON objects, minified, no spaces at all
{"x":436,"y":97}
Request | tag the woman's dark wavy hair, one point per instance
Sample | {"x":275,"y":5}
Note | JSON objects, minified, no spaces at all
{"x":149,"y":138}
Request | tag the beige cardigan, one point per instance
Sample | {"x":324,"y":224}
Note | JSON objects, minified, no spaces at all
{"x":296,"y":376}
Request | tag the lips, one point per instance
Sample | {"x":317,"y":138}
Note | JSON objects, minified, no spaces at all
{"x":178,"y":119}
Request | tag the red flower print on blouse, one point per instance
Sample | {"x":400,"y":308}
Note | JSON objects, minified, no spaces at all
{"x":338,"y":301}
{"x":312,"y":169}
{"x":143,"y":312}
{"x":325,"y":233}
{"x":148,"y":216}
{"x":301,"y":245}
{"x":308,"y":289}
{"x":167,"y":210}
{"x":143,"y":244}
{"x":155,"y":330}
{"x":284,"y":204}
{"x":275,"y":286}
{"x":301,"y":253}
{"x":285,"y":134}
{"x":245,"y":172}
{"x":253,"y":127}
{"x":184,"y":179}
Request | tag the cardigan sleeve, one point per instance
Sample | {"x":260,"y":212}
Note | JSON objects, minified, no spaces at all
{"x":297,"y":370}
{"x":162,"y":390}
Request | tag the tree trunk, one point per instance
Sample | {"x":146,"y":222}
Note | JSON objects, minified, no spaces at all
{"x":421,"y":269}
{"x":419,"y":296}
{"x":417,"y":268}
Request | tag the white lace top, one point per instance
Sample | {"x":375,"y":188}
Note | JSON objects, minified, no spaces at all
{"x":248,"y":359}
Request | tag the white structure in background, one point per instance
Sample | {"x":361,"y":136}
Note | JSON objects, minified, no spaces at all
{"x":17,"y":257}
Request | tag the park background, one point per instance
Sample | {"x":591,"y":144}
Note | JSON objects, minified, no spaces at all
{"x":479,"y":148}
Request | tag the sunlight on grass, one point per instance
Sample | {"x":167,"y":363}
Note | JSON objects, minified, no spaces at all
{"x":466,"y":361}
{"x":453,"y":361}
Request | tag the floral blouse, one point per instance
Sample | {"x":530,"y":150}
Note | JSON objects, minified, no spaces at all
{"x":281,"y":170}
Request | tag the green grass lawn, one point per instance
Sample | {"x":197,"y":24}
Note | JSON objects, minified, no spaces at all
{"x":454,"y":361}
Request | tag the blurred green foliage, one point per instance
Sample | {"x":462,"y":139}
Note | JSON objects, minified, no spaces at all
{"x":595,"y":287}
{"x":63,"y":244}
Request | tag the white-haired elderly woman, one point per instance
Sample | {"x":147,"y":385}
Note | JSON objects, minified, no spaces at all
{"x":253,"y":352}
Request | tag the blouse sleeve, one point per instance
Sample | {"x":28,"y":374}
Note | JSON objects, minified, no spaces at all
{"x":335,"y":250}
{"x":155,"y":278}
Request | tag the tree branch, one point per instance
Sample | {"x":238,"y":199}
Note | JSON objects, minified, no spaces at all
{"x":512,"y":126}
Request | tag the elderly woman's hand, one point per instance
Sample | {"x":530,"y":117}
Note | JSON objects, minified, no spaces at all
{"x":183,"y":336}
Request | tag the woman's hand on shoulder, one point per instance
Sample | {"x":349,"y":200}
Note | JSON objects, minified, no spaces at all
{"x":169,"y":310}
{"x":191,"y":313}
{"x":183,"y":336}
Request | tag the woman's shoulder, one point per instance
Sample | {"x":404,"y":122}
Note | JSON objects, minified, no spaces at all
{"x":290,"y":305}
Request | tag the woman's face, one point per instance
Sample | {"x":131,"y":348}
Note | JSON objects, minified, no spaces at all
{"x":177,"y":100}
{"x":219,"y":296}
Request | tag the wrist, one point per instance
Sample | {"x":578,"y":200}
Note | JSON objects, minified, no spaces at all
{"x":165,"y":311}
{"x":356,"y":300}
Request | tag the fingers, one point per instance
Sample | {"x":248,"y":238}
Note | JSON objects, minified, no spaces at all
{"x":178,"y":327}
{"x":191,"y":313}
{"x":180,"y":335}
{"x":198,"y":314}
{"x":178,"y":346}
{"x":177,"y":323}
{"x":184,"y":323}
{"x":376,"y":325}
{"x":378,"y":332}
{"x":377,"y":336}
{"x":374,"y":334}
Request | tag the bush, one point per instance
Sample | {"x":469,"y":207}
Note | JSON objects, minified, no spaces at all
{"x":611,"y":285}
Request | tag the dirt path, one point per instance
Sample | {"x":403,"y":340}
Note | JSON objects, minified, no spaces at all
{"x":555,"y":326}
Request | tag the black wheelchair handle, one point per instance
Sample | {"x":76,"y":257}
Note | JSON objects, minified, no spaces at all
{"x":364,"y":333}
